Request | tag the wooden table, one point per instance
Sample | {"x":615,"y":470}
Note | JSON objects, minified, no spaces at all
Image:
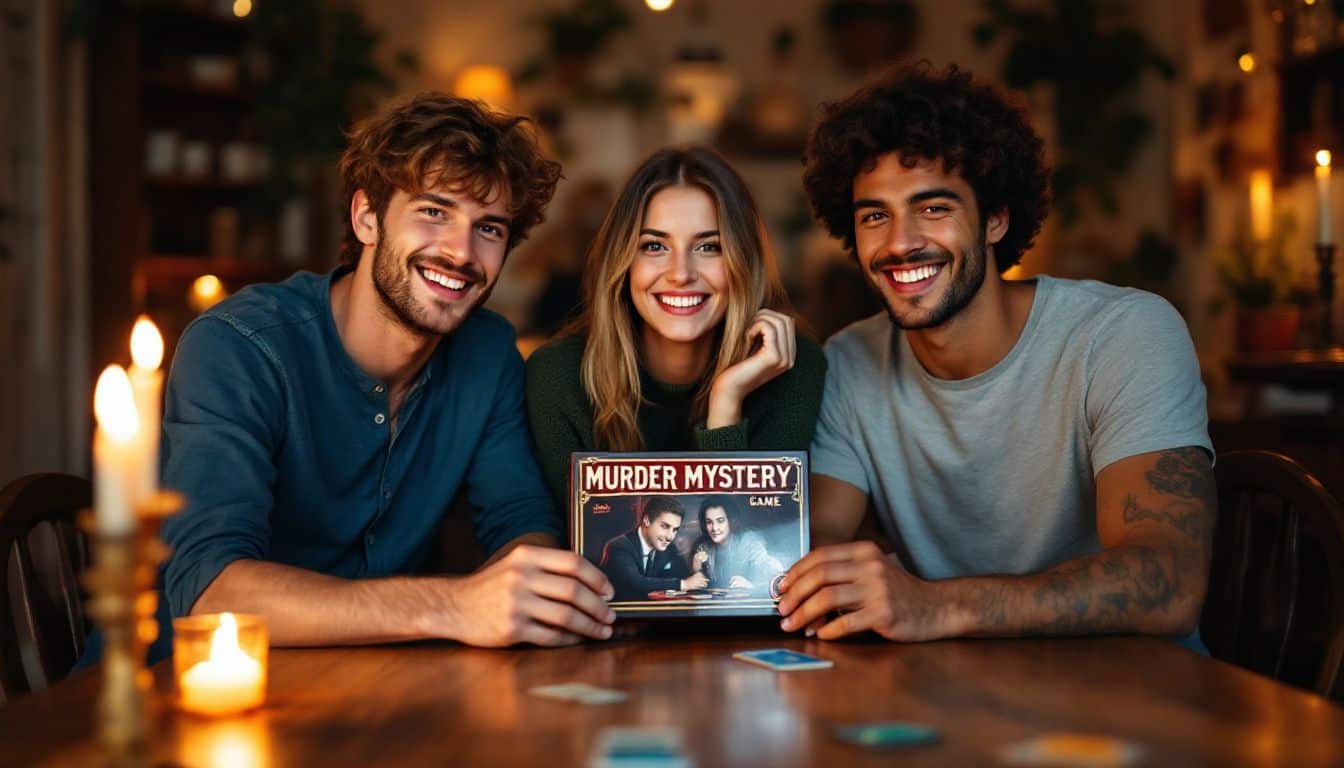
{"x":446,"y":705}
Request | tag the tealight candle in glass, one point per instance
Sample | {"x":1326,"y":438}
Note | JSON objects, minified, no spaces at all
{"x":219,"y":662}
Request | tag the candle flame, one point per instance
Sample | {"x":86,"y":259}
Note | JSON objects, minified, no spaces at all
{"x":146,"y":344}
{"x":1323,"y":158}
{"x":1246,"y":62}
{"x":224,"y":640}
{"x":114,"y":405}
{"x":658,"y":5}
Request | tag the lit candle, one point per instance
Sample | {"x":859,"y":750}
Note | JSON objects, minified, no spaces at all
{"x":228,"y":681}
{"x":1323,"y":234}
{"x":1262,"y":205}
{"x":116,"y":475}
{"x":147,"y":384}
{"x":206,"y":291}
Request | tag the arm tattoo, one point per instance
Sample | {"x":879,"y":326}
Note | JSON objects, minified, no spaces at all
{"x":1185,"y":474}
{"x":1099,"y":593}
{"x":1186,"y":517}
{"x":1113,"y":589}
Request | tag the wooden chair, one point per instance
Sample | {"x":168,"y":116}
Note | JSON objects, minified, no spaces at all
{"x":1275,"y":603}
{"x":42,"y":626}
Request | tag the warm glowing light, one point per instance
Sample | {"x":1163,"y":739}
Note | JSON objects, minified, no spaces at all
{"x":1323,"y":158}
{"x":1246,"y":62}
{"x":114,"y":405}
{"x":241,"y":8}
{"x":1262,"y":204}
{"x":229,"y":680}
{"x":206,"y":291}
{"x":658,"y":5}
{"x":146,"y":344}
{"x":488,"y":83}
{"x":1308,"y":2}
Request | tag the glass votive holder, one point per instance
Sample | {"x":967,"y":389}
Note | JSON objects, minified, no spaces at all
{"x":219,"y":662}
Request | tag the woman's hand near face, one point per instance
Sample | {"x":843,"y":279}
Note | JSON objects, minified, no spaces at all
{"x":698,"y":562}
{"x":775,"y":347}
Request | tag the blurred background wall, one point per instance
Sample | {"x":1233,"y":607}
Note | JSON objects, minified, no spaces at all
{"x":160,"y":154}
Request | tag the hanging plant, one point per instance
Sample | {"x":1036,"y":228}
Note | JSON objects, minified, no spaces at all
{"x":1095,"y":66}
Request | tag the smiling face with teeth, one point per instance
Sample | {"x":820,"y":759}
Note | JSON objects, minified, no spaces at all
{"x":678,"y":280}
{"x":437,"y":255}
{"x":920,"y":240}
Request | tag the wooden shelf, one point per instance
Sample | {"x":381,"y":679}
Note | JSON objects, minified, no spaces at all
{"x":172,"y":274}
{"x":173,"y":84}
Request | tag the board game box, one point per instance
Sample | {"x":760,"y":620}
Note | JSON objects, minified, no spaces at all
{"x":691,"y":534}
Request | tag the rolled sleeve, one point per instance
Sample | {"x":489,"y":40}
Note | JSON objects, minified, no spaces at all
{"x":504,"y":482}
{"x":222,"y":421}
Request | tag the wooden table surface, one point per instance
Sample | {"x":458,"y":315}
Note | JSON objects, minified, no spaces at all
{"x":448,"y":705}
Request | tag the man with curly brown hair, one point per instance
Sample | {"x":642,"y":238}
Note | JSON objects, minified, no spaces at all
{"x":321,"y":427}
{"x":1036,"y":450}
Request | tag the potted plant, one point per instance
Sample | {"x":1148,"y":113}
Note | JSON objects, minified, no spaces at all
{"x":1260,"y":280}
{"x":866,"y":34}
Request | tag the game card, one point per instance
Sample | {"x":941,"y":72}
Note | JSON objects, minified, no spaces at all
{"x":783,"y":660}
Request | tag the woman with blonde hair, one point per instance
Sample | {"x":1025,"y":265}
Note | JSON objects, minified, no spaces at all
{"x":683,"y":343}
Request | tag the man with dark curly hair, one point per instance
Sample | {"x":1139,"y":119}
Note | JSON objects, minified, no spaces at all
{"x":1036,"y":450}
{"x":321,"y":427}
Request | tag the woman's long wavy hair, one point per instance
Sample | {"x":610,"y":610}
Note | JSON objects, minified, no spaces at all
{"x":610,"y":367}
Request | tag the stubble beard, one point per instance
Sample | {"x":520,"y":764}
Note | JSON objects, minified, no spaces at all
{"x":966,"y":282}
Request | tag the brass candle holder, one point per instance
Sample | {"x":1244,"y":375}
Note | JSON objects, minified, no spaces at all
{"x":123,"y":599}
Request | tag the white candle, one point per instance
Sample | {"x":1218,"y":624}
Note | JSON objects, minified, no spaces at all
{"x":116,"y":475}
{"x":227,"y":682}
{"x":1262,"y":205}
{"x":147,"y":384}
{"x":1323,"y":233}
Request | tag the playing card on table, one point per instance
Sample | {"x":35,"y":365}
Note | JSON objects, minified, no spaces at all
{"x":783,"y":660}
{"x":1075,"y":750}
{"x":580,"y":692}
{"x":639,"y":748}
{"x":885,"y":735}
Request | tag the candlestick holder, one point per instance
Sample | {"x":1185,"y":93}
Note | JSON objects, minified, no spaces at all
{"x":1325,"y":275}
{"x":123,"y":600}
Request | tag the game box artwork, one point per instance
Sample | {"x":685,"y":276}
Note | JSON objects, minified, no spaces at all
{"x":691,"y":534}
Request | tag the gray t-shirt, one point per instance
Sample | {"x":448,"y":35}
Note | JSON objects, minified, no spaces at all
{"x":995,"y":473}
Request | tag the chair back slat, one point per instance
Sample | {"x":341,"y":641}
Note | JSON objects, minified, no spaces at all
{"x":1291,"y":569}
{"x":1276,"y":594}
{"x":72,"y":597}
{"x":41,"y":609}
{"x":1236,"y":601}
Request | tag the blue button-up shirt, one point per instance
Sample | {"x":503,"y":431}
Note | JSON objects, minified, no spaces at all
{"x":286,"y":451}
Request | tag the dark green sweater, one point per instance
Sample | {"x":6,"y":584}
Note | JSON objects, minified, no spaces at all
{"x":779,"y":416}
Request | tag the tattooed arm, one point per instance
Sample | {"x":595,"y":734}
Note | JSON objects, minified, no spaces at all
{"x":1155,"y":515}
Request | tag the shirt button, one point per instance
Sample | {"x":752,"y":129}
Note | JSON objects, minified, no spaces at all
{"x":379,"y":388}
{"x":379,"y":419}
{"x":387,"y":494}
{"x":369,"y":539}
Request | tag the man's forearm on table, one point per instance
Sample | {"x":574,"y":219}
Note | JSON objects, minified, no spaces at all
{"x":307,"y":608}
{"x":1143,"y":588}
